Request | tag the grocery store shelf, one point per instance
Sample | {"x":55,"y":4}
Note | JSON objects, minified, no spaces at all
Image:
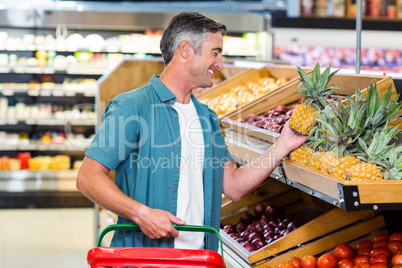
{"x":336,"y":23}
{"x":51,"y":70}
{"x":48,"y":122}
{"x":22,"y":175}
{"x":57,"y":91}
{"x":41,"y":188}
{"x":43,"y":147}
{"x":44,"y":199}
{"x":237,"y":16}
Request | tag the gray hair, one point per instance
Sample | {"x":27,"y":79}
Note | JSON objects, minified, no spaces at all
{"x":190,"y":26}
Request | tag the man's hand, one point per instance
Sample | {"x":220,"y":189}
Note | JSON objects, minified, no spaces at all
{"x":289,"y":140}
{"x":156,"y":223}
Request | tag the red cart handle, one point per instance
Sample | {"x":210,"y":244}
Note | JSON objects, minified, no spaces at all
{"x":135,"y":227}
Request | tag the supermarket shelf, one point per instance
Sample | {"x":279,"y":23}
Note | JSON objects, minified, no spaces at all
{"x":50,"y":70}
{"x":44,"y":199}
{"x":58,"y":91}
{"x":47,"y":122}
{"x":42,"y":147}
{"x":337,"y":23}
{"x":49,"y":175}
{"x":40,"y":189}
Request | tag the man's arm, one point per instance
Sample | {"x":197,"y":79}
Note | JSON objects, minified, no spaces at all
{"x":237,"y":182}
{"x":93,"y":182}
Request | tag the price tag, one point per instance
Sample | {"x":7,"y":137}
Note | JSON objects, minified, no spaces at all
{"x":48,"y":70}
{"x":33,"y":92}
{"x":30,"y":121}
{"x":45,"y":93}
{"x":19,"y":69}
{"x":42,"y":147}
{"x":4,"y":69}
{"x":33,"y":70}
{"x":70,"y":93}
{"x":8,"y":92}
{"x":12,"y":121}
{"x":58,"y":93}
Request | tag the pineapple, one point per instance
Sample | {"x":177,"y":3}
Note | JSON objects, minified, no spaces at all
{"x":341,"y":167}
{"x":352,"y":138}
{"x":339,"y":127}
{"x":303,"y":119}
{"x":302,"y":154}
{"x":378,"y":157}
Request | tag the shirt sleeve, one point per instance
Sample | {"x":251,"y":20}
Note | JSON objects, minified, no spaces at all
{"x":117,"y":136}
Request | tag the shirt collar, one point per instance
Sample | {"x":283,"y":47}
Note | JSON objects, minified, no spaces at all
{"x":166,"y":95}
{"x":161,"y":90}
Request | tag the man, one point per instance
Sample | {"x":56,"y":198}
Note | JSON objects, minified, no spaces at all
{"x":170,"y":157}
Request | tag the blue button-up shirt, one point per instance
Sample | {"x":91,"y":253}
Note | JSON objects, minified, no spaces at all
{"x":139,"y":138}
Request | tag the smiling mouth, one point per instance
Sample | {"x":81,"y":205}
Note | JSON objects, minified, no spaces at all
{"x":211,"y":71}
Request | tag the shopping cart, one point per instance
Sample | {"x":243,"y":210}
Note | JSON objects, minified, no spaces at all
{"x":144,"y":257}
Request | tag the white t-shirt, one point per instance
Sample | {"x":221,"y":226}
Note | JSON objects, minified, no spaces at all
{"x":190,"y":195}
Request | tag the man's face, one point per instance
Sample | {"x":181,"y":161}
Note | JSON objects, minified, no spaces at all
{"x":207,"y":60}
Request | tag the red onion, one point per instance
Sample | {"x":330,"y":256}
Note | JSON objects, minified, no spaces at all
{"x":248,"y":246}
{"x":291,"y":225}
{"x":241,"y":226}
{"x":245,"y":234}
{"x":267,"y":113}
{"x":269,"y":235}
{"x":285,"y":232}
{"x":247,"y":218}
{"x":259,"y":210}
{"x":251,"y":227}
{"x":258,"y":243}
{"x":228,"y":228}
{"x":281,"y":109}
{"x":254,"y":236}
{"x":270,"y":212}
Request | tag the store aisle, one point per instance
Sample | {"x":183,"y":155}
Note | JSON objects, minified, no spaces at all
{"x":46,"y":237}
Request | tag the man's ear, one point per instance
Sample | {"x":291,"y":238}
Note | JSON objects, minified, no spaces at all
{"x":184,"y":48}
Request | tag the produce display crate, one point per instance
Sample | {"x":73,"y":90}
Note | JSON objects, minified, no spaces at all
{"x":253,"y":75}
{"x":246,"y":142}
{"x":287,"y":95}
{"x":321,"y":225}
{"x":348,"y":195}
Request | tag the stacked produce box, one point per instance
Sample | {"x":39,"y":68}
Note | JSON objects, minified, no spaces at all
{"x":247,"y":87}
{"x":357,"y":118}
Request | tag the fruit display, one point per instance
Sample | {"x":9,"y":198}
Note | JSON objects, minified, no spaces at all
{"x":242,"y":94}
{"x":272,"y":120}
{"x":265,"y":226}
{"x":25,"y":161}
{"x":383,"y":250}
{"x":353,"y":139}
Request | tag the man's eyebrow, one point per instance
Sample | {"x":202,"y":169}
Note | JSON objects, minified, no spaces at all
{"x":218,"y":48}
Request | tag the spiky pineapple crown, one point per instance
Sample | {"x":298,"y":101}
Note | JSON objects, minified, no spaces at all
{"x":342,"y":123}
{"x":339,"y":127}
{"x":380,"y":150}
{"x":316,"y":87}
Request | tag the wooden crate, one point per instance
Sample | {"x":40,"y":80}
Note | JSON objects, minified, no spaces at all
{"x":362,"y":225}
{"x":352,"y":195}
{"x":252,"y":75}
{"x":321,"y":225}
{"x":288,"y":95}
